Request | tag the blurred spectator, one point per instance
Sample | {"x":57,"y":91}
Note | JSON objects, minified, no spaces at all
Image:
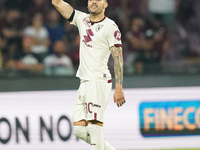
{"x":147,"y":60}
{"x":130,"y":8}
{"x":54,"y":27}
{"x":74,"y":51}
{"x":135,"y":6}
{"x":70,"y":32}
{"x":116,"y":12}
{"x":196,"y":5}
{"x":3,"y":10}
{"x":134,"y":39}
{"x":25,"y":60}
{"x":180,"y":32}
{"x":185,"y":48}
{"x":177,"y":45}
{"x":40,"y":35}
{"x":79,"y":5}
{"x":21,"y":5}
{"x":39,"y":6}
{"x":166,"y":8}
{"x":2,"y":2}
{"x":135,"y":35}
{"x":1,"y":56}
{"x":188,"y":20}
{"x":11,"y":27}
{"x":161,"y":36}
{"x":1,"y":60}
{"x":186,"y":31}
{"x":58,"y":64}
{"x":1,"y":53}
{"x":113,"y":6}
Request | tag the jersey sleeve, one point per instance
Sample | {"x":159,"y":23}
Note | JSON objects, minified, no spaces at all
{"x":78,"y":18}
{"x":114,"y":36}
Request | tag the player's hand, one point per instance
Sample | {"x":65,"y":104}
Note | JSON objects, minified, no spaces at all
{"x":119,"y":98}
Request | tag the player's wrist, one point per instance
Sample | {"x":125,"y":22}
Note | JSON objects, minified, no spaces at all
{"x":118,"y":87}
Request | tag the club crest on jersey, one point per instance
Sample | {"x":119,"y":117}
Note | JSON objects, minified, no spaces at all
{"x":99,"y":27}
{"x":117,"y":35}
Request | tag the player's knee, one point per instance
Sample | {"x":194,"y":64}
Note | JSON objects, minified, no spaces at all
{"x":78,"y":131}
{"x":81,"y":133}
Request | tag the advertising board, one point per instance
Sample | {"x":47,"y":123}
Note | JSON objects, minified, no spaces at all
{"x":151,"y":118}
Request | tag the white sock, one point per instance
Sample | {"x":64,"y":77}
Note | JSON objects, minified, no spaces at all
{"x":96,"y":137}
{"x":81,"y":133}
{"x":107,"y":146}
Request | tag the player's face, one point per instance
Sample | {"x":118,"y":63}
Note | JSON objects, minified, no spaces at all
{"x":96,"y":7}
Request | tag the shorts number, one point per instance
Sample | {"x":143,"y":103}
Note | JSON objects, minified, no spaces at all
{"x":89,"y":107}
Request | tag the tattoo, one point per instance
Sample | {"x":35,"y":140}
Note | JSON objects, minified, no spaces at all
{"x":118,"y":64}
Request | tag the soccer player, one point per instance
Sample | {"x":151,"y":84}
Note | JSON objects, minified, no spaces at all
{"x":99,"y":37}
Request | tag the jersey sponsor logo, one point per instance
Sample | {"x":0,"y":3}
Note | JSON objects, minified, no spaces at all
{"x":87,"y":38}
{"x":117,"y":35}
{"x":95,"y":105}
{"x":99,"y":27}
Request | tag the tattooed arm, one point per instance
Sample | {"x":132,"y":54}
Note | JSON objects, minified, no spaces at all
{"x":119,"y":98}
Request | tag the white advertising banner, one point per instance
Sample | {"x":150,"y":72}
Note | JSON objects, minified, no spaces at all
{"x":151,"y":118}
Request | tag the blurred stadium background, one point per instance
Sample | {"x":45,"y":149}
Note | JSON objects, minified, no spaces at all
{"x":161,"y":45}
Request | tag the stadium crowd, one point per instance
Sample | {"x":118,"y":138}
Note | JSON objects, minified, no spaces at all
{"x":159,"y":36}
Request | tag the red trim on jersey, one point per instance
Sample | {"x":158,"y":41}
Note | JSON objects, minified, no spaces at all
{"x":92,"y":23}
{"x":118,"y":45}
{"x":110,"y":81}
{"x":95,"y":116}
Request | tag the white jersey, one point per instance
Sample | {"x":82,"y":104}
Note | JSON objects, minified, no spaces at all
{"x":95,"y":42}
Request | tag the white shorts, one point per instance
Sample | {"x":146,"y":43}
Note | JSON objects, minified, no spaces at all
{"x":91,"y":100}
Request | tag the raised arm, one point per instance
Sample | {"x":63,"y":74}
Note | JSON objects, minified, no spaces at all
{"x":119,"y":98}
{"x":64,"y":8}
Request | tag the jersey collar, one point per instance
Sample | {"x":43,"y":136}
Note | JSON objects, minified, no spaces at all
{"x":92,"y":23}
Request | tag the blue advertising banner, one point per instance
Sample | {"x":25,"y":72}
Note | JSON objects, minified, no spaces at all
{"x":170,"y":118}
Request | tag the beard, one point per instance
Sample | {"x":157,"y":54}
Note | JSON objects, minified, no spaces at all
{"x":96,"y":12}
{"x":93,"y":12}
